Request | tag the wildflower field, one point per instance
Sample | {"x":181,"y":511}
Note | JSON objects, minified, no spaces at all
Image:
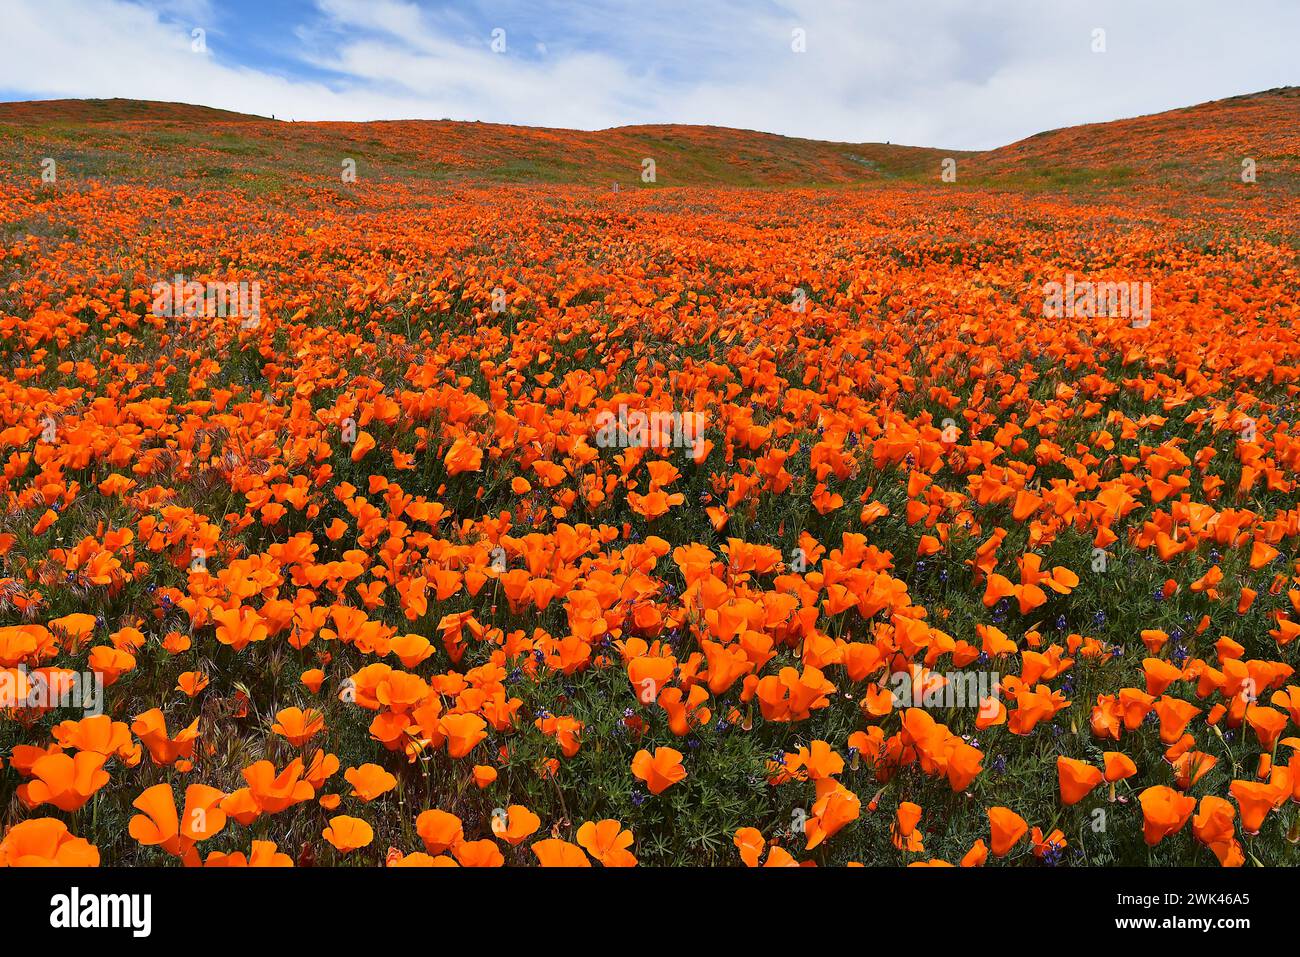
{"x":794,"y":505}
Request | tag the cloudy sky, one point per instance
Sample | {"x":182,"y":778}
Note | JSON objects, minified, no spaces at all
{"x":963,"y":74}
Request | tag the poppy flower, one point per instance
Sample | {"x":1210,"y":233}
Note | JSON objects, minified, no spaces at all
{"x":151,"y":729}
{"x":661,"y":771}
{"x":45,"y":842}
{"x":1164,"y":812}
{"x":1118,"y":766}
{"x":239,"y":627}
{"x":750,"y":842}
{"x":348,"y":833}
{"x":1267,"y":724}
{"x":1256,"y":799}
{"x":192,"y":682}
{"x":298,"y":726}
{"x":1007,"y":827}
{"x":98,"y":733}
{"x":463,"y":732}
{"x":369,"y":781}
{"x":835,"y":807}
{"x":553,"y":852}
{"x":159,"y":823}
{"x":1213,"y":827}
{"x":77,"y":626}
{"x":1075,"y":779}
{"x":515,"y":825}
{"x":977,"y":855}
{"x":463,"y":456}
{"x":439,"y":830}
{"x":1174,"y":715}
{"x":907,"y":817}
{"x":414,"y":859}
{"x":1191,"y":766}
{"x":608,"y":842}
{"x":1044,"y":845}
{"x":272,"y":792}
{"x":110,"y":663}
{"x":262,"y":854}
{"x":481,"y":853}
{"x":65,"y":781}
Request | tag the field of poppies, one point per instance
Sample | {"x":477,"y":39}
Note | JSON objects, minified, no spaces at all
{"x":497,"y":505}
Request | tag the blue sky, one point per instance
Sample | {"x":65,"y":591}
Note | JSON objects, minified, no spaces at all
{"x":966,"y":74}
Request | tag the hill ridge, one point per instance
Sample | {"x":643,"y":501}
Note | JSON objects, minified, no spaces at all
{"x":1198,"y":143}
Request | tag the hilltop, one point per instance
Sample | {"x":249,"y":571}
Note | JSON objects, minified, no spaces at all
{"x":136,"y":140}
{"x":1202,"y":142}
{"x":225,"y":145}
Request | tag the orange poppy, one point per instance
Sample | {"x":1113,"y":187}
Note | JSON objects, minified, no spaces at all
{"x":369,"y":781}
{"x":348,"y":833}
{"x":661,"y":771}
{"x":1075,"y":779}
{"x":1007,"y":827}
{"x":1164,"y":812}
{"x":45,"y":842}
{"x":608,"y":842}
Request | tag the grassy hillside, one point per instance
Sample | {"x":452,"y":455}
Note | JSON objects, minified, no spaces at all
{"x":186,"y":146}
{"x":109,"y":138}
{"x":1201,"y":145}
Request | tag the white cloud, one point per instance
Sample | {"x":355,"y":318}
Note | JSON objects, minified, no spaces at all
{"x":944,"y":73}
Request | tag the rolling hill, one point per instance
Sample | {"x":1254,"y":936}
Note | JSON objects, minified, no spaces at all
{"x":170,"y":142}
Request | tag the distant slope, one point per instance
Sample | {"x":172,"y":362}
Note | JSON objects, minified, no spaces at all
{"x":115,"y":111}
{"x":175,"y":144}
{"x":226,"y":145}
{"x":1201,"y":143}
